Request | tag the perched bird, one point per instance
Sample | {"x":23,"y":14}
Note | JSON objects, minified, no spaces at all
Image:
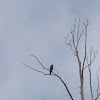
{"x":51,"y":68}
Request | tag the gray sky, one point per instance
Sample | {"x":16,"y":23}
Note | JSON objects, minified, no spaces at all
{"x":39,"y":27}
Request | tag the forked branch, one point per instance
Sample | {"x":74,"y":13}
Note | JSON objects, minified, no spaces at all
{"x":53,"y":74}
{"x":98,"y":93}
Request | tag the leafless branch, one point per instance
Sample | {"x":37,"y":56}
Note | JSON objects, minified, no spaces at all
{"x":36,"y":70}
{"x":98,"y":82}
{"x":40,"y":62}
{"x":78,"y":31}
{"x":53,"y":74}
{"x":69,"y":44}
{"x":89,"y":69}
{"x":97,"y":96}
{"x":79,"y":34}
{"x":92,"y":60}
{"x":65,"y":86}
{"x":79,"y":37}
{"x":57,"y":72}
{"x":85,"y":32}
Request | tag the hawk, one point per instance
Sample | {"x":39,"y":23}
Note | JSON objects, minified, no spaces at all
{"x":51,"y":68}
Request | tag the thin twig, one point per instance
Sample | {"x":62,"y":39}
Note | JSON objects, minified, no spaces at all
{"x":69,"y":44}
{"x":39,"y":62}
{"x":35,"y":69}
{"x":95,"y":54}
{"x":57,"y":72}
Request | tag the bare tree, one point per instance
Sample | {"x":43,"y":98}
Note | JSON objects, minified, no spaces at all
{"x":77,"y":32}
{"x":74,"y":43}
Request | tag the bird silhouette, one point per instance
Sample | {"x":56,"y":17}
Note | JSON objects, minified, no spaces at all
{"x":51,"y":68}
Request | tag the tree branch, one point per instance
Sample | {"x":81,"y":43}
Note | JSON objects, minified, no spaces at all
{"x":89,"y":69}
{"x":53,"y":74}
{"x":98,"y":82}
{"x":65,"y":86}
{"x":40,"y":63}
{"x":36,"y":70}
{"x":69,"y":44}
{"x":92,"y":60}
{"x":97,"y":96}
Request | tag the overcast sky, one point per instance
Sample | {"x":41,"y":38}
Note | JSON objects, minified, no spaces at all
{"x":39,"y":27}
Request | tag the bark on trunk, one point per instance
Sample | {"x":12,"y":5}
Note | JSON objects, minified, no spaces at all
{"x":81,"y":77}
{"x":82,"y":91}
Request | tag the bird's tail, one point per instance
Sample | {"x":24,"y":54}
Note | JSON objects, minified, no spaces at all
{"x":50,"y":72}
